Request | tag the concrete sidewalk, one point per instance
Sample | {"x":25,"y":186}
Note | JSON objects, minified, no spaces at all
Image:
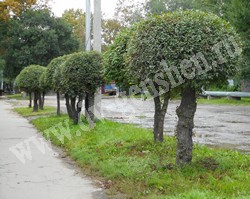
{"x":41,"y":174}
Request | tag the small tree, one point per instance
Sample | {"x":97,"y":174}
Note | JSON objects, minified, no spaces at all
{"x":115,"y":68}
{"x":81,"y":74}
{"x":183,"y":51}
{"x":28,"y":80}
{"x":54,"y":80}
{"x":44,"y":87}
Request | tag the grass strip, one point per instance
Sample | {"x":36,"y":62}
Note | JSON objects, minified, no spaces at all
{"x":27,"y":112}
{"x":17,"y":97}
{"x":129,"y":162}
{"x":225,"y":101}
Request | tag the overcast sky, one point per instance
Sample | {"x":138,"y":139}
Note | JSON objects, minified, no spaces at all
{"x":58,"y":7}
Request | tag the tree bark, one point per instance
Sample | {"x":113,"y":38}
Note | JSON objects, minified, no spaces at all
{"x":89,"y":108}
{"x":160,"y":110}
{"x":40,"y":100}
{"x":30,"y":103}
{"x":35,"y":107}
{"x":79,"y":108}
{"x":86,"y":105}
{"x":43,"y":99}
{"x":58,"y":103}
{"x":74,"y":111}
{"x":159,"y":117}
{"x":185,"y":113}
{"x":68,"y":106}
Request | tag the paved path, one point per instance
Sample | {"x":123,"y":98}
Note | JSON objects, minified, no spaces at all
{"x":45,"y":176}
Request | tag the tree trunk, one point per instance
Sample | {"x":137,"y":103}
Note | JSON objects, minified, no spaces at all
{"x":40,"y":100}
{"x":79,"y":108}
{"x":86,"y":105}
{"x":74,"y":111}
{"x":35,"y":107}
{"x":68,"y":106}
{"x":159,"y":117}
{"x":89,"y":108}
{"x":30,"y":96}
{"x":185,"y":113}
{"x":43,"y":99}
{"x":58,"y":103}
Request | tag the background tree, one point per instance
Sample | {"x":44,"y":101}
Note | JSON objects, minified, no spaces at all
{"x":129,"y":12}
{"x":181,"y":46}
{"x":110,"y":29}
{"x":237,"y":12}
{"x":10,"y":8}
{"x":81,"y":74}
{"x":28,"y":81}
{"x":76,"y":18}
{"x":115,"y":67}
{"x":36,"y":37}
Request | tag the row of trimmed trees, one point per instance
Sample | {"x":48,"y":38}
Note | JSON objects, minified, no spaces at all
{"x":168,"y":55}
{"x":77,"y":76}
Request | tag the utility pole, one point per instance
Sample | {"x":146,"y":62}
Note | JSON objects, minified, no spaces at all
{"x":88,"y":26}
{"x":97,"y":46}
{"x":97,"y":26}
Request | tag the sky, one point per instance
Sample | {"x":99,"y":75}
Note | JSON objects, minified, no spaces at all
{"x":58,"y":6}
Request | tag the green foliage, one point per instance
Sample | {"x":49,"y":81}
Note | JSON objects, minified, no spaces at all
{"x":82,"y":72}
{"x":53,"y":79}
{"x":238,"y":14}
{"x":76,"y":19}
{"x":2,"y":64}
{"x":128,"y":162}
{"x":111,"y":28}
{"x":28,"y":79}
{"x":43,"y":83}
{"x":114,"y":61}
{"x":128,"y":12}
{"x":36,"y":37}
{"x":163,"y":42}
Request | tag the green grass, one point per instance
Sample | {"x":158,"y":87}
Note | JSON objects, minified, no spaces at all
{"x":225,"y":101}
{"x":26,"y":112}
{"x":17,"y":97}
{"x":127,"y":161}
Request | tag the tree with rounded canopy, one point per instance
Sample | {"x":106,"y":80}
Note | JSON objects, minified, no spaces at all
{"x":81,"y":75}
{"x":115,"y":68}
{"x":28,"y":81}
{"x":181,"y":52}
{"x":44,"y":87}
{"x":54,"y":80}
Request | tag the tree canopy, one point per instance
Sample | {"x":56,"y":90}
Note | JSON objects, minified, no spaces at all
{"x":181,"y":52}
{"x":82,"y":72}
{"x":28,"y":79}
{"x":115,"y":66}
{"x":36,"y":37}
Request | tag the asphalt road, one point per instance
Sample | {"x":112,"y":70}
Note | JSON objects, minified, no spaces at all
{"x":215,"y":125}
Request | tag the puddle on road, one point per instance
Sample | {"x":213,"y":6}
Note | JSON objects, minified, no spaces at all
{"x":203,"y":134}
